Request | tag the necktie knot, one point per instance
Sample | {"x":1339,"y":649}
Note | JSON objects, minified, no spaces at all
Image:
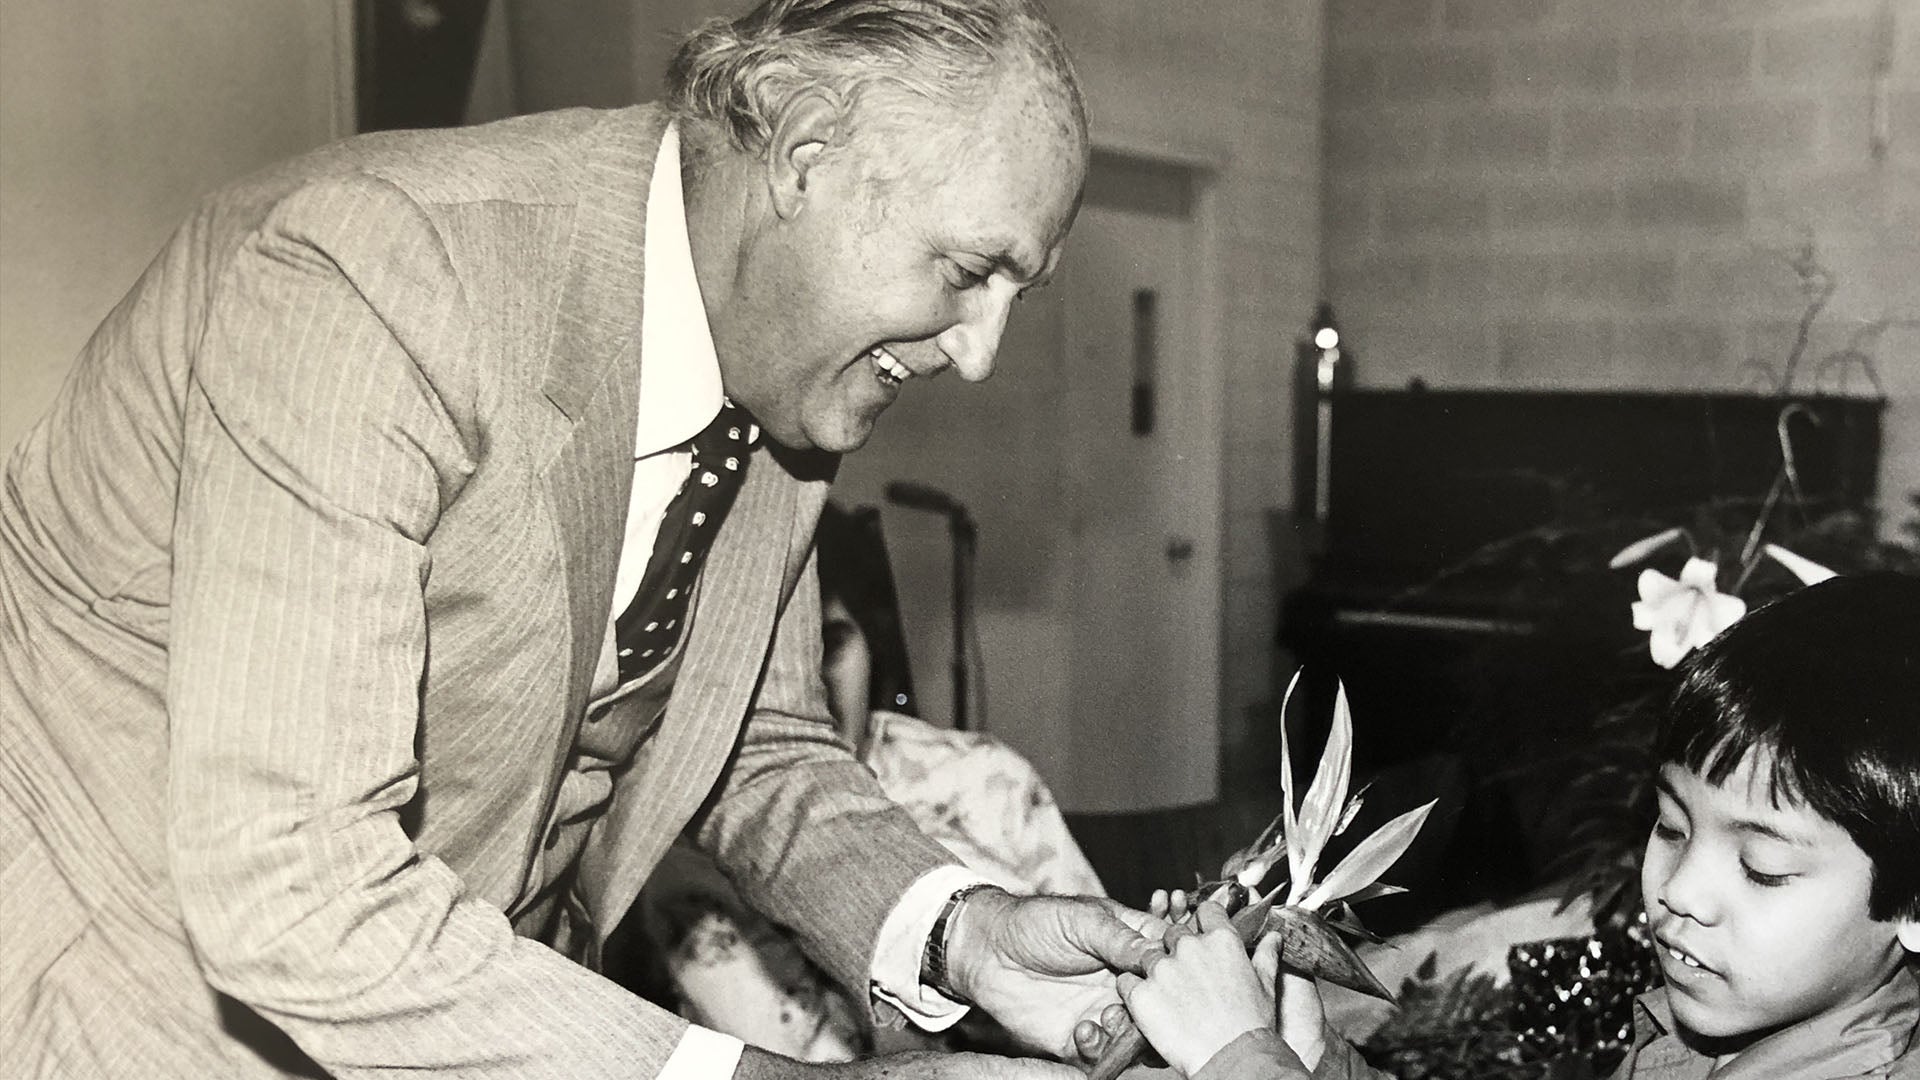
{"x":647,"y":631}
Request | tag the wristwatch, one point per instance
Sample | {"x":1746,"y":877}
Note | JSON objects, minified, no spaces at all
{"x":933,"y":963}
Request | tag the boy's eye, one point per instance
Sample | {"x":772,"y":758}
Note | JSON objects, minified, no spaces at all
{"x":1666,"y":832}
{"x":1764,"y":880}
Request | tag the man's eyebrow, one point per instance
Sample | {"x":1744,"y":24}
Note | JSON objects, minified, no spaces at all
{"x":1040,"y":278}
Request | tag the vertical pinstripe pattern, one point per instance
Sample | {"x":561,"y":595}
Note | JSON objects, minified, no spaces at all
{"x":301,"y":587}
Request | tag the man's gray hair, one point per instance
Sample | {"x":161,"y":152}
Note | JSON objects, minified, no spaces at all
{"x":737,"y":73}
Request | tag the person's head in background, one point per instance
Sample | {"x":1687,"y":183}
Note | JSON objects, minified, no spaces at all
{"x":864,"y":657}
{"x":1782,"y":877}
{"x":847,"y":667}
{"x":878,"y":180}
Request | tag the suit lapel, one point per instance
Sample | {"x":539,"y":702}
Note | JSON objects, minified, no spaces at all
{"x":593,"y":385}
{"x":593,"y":381}
{"x":751,"y":570}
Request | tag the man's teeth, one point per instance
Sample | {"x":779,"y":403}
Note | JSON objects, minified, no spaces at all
{"x":890,"y":369}
{"x":1682,"y":957}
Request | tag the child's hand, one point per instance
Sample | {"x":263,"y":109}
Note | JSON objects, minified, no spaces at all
{"x":1171,"y":906}
{"x":1303,"y":1021}
{"x":1202,"y":994}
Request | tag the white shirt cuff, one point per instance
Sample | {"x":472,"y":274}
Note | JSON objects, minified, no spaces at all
{"x":903,"y":944}
{"x":703,"y":1054}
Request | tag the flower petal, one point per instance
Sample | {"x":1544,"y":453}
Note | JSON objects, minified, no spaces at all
{"x":1320,"y":807}
{"x":1666,"y":644}
{"x":1369,"y":859}
{"x":1644,"y":547}
{"x":1717,"y":612}
{"x":1291,"y":828}
{"x":1655,"y":586}
{"x":1700,"y":574}
{"x":1808,"y":571}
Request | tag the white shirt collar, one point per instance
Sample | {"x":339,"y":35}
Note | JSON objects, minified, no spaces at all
{"x":680,"y":390}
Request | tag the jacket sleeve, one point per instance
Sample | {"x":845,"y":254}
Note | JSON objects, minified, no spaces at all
{"x":1340,"y":1061}
{"x":1259,"y":1054}
{"x":802,"y":827}
{"x":326,"y":430}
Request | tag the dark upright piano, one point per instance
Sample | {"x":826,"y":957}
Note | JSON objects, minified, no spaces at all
{"x":1459,"y":588}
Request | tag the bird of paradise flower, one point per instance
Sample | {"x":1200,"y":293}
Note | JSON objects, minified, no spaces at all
{"x":1309,"y":915}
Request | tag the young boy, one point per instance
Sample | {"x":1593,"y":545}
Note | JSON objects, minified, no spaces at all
{"x":1781,"y":879}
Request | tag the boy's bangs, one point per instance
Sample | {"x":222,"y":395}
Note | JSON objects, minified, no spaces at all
{"x":1720,"y":759}
{"x":1712,"y":729}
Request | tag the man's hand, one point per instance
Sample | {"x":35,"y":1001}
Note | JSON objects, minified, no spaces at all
{"x":1041,"y":964}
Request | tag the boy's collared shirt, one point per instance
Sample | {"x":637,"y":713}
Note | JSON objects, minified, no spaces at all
{"x":1874,"y":1038}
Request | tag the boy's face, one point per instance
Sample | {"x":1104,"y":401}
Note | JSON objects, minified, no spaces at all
{"x":1759,"y":909}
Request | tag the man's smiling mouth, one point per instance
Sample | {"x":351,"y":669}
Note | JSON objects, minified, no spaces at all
{"x":888,"y":370}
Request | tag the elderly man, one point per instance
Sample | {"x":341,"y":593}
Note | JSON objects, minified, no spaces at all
{"x":425,"y":539}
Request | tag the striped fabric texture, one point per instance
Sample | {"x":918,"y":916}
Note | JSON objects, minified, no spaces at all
{"x":302,"y":585}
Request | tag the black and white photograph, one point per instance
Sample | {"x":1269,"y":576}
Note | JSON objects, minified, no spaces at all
{"x":960,"y":539}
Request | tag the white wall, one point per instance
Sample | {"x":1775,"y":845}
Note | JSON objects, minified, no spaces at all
{"x":114,"y":119}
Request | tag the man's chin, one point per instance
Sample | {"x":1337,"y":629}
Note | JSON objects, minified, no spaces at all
{"x":839,"y":434}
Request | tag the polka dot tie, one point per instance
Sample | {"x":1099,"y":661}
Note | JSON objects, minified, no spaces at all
{"x":647,"y":631}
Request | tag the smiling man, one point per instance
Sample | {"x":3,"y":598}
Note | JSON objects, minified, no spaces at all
{"x":426,"y":539}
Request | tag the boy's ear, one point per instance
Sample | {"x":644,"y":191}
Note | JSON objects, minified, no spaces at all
{"x":1908,"y":931}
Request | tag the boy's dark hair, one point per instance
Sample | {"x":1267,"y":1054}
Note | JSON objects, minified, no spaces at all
{"x":1827,"y":680}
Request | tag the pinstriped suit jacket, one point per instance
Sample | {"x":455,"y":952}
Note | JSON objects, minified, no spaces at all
{"x":302,"y":584}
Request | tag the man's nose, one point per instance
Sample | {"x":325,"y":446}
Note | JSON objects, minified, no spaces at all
{"x":971,"y":344}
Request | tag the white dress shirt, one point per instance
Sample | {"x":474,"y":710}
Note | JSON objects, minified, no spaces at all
{"x":681,"y":393}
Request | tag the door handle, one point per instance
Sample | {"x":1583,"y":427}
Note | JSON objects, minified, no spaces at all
{"x":1179,"y":549}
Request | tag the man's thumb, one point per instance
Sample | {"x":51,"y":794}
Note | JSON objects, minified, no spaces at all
{"x":1116,"y":944}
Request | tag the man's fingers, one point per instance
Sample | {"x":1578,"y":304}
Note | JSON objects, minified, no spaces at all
{"x":1175,"y":933}
{"x":1148,"y":963}
{"x":1106,"y":936}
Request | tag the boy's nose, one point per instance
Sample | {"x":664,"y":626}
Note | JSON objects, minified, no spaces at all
{"x":1687,"y":891}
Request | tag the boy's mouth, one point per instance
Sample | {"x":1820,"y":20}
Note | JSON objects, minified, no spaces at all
{"x":1681,"y":957}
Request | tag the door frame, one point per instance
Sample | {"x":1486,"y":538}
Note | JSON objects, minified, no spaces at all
{"x":1206,"y":170}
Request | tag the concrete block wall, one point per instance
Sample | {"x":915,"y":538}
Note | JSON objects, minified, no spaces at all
{"x":1603,"y":193}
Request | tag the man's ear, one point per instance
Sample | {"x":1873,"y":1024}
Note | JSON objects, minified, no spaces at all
{"x":806,"y":126}
{"x":1908,"y":931}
